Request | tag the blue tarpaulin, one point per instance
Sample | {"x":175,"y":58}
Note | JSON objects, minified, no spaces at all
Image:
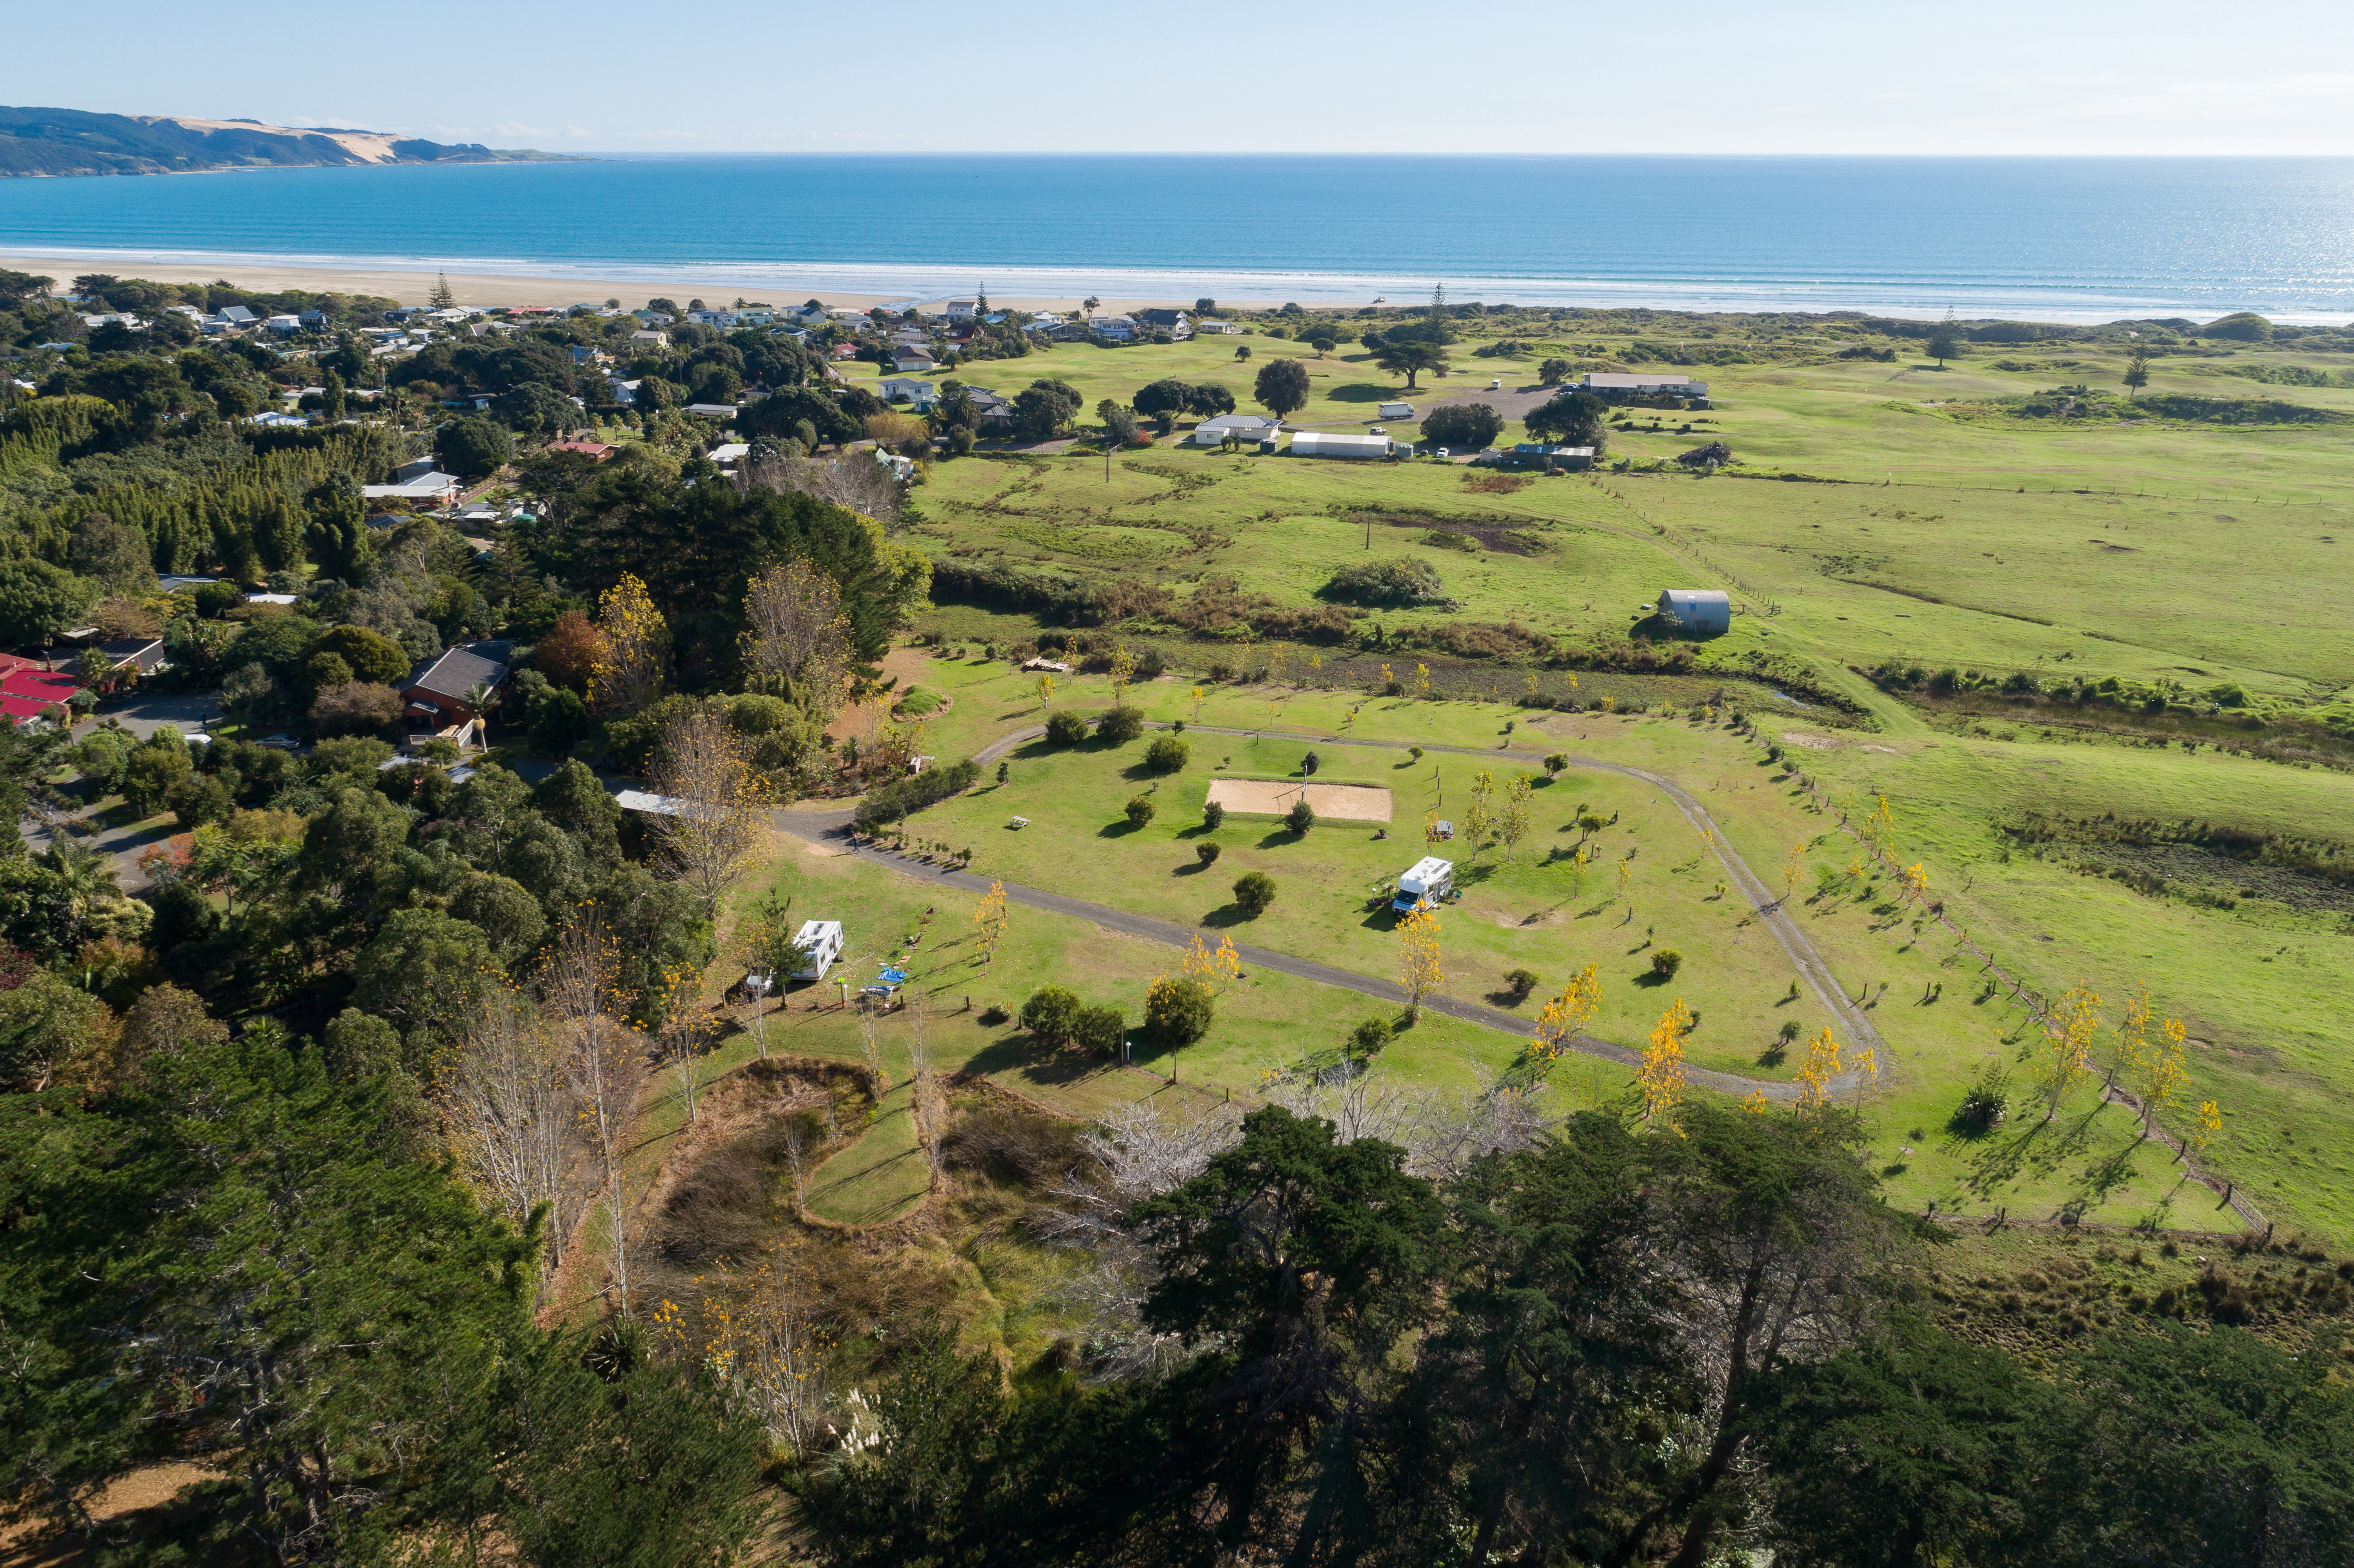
{"x":897,"y":977}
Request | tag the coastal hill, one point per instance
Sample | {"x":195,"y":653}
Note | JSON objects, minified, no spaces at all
{"x":58,"y":141}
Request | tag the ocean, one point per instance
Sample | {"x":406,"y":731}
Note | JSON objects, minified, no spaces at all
{"x":2043,"y":239}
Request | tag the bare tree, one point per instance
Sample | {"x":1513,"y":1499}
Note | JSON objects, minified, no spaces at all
{"x":685,"y":1029}
{"x":929,"y":1101}
{"x":763,"y":1337}
{"x":853,"y":481}
{"x":507,"y":1106}
{"x":870,"y":1050}
{"x":796,"y":637}
{"x":603,"y":1060}
{"x":721,"y":804}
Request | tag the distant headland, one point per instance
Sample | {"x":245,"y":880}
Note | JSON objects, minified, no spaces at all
{"x":54,"y":142}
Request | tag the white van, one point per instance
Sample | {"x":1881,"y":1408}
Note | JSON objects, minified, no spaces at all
{"x":822,"y":940}
{"x":1395,"y":411}
{"x":1425,"y":882}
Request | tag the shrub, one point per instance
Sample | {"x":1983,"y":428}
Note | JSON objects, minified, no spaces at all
{"x":354,"y":707}
{"x":1666,"y":962}
{"x":1386,"y":584}
{"x":1214,"y":816}
{"x":1066,"y":729}
{"x":1167,"y":755}
{"x":1254,"y":891}
{"x":1207,"y":854}
{"x":1555,"y":763}
{"x":1462,"y":427}
{"x":1139,"y":811}
{"x":1178,"y":1012}
{"x":1310,"y":764}
{"x":1301,"y":817}
{"x":1519,"y":982}
{"x":897,"y":801}
{"x":1368,"y":1038}
{"x":1100,"y":1028}
{"x":1052,"y":1013}
{"x":1120,"y":725}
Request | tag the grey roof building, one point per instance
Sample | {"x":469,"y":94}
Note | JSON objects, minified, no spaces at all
{"x":1701,"y":612}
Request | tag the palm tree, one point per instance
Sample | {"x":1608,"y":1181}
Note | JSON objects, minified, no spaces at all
{"x":483,"y":697}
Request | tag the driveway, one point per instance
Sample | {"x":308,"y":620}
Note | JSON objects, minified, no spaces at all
{"x":146,"y":712}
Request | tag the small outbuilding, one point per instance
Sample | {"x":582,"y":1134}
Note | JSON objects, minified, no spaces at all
{"x":1698,"y":612}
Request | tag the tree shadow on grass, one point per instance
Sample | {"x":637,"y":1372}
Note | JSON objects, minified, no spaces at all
{"x":1016,"y":1052}
{"x":1120,"y":830}
{"x":1226,"y":915}
{"x":1362,"y":392}
{"x":1282,"y":838}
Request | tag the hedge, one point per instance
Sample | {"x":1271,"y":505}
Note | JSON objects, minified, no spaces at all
{"x":895,"y":802}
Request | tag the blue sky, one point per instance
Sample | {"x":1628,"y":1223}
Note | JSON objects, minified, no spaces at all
{"x":1378,"y":76}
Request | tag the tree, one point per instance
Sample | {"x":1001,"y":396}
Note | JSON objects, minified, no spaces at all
{"x":1121,"y":725}
{"x":1044,"y":409}
{"x":108,"y":552}
{"x":1300,"y":818}
{"x":335,"y":531}
{"x":443,"y":297}
{"x":1120,"y":425}
{"x":1281,"y":388}
{"x":722,"y":813}
{"x":1178,"y":1012}
{"x":2137,"y":375}
{"x":1242,"y":351}
{"x":355,"y":707}
{"x":1554,"y":372}
{"x":1418,"y":958}
{"x":1512,"y":824}
{"x":367,"y":655}
{"x":1253,"y":893}
{"x":40,"y":603}
{"x":796,"y":637}
{"x":1165,"y":399}
{"x":1167,"y":755}
{"x":632,"y":649}
{"x":1665,"y":962}
{"x":990,"y":921}
{"x":472,"y":448}
{"x":1410,"y":358}
{"x":567,"y":652}
{"x":2065,"y":1056}
{"x":1661,"y":1079}
{"x":1561,"y":1019}
{"x":1139,"y":811}
{"x":1945,"y":341}
{"x":1572,"y":419}
{"x":1052,"y":1013}
{"x":1463,"y":427}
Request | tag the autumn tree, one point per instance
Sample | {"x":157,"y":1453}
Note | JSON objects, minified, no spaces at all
{"x":1662,"y":1078}
{"x":721,"y":803}
{"x":1512,"y":825}
{"x":990,"y":921}
{"x":1561,"y":1019}
{"x":2066,"y":1054}
{"x":1419,"y":967}
{"x":567,"y":652}
{"x":796,"y":639}
{"x":633,"y":649}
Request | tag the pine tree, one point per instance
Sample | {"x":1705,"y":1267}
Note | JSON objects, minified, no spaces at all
{"x":442,"y":297}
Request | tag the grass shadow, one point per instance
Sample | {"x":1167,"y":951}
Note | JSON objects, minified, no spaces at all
{"x":1362,"y":392}
{"x":1226,"y":915}
{"x":1120,"y":830}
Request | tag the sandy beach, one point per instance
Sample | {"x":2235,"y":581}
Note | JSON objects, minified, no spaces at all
{"x":411,"y":288}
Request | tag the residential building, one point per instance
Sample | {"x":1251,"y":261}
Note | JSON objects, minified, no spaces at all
{"x":1120,"y":329}
{"x":1647,"y":383}
{"x":963,"y":310}
{"x":439,"y":693}
{"x":907,"y":389}
{"x":713,"y":410}
{"x":1255,"y":430}
{"x":1173,"y":321}
{"x":652,"y":338}
{"x":1209,"y":327}
{"x":416,"y":468}
{"x":434,"y":487}
{"x":596,"y":451}
{"x":913,"y":361}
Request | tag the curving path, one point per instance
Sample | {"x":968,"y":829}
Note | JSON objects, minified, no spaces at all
{"x":834,"y":828}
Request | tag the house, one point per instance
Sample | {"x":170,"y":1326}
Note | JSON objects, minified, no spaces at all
{"x":963,"y":310}
{"x":1209,"y":326}
{"x":624,"y":393}
{"x":898,"y":388}
{"x":1171,"y":321}
{"x":992,"y":415}
{"x":713,"y":410}
{"x":169,"y":584}
{"x":1252,"y":429}
{"x":1120,"y":329}
{"x":278,"y":599}
{"x":724,"y":319}
{"x":273,"y":420}
{"x":134,"y":655}
{"x":29,"y":691}
{"x":433,"y":487}
{"x":822,"y":940}
{"x":236,"y":318}
{"x":438,"y":694}
{"x":909,"y":360}
{"x":1651,"y":384}
{"x":811,"y":315}
{"x":652,"y":338}
{"x":728,"y":453}
{"x":1701,"y":612}
{"x":415,"y":467}
{"x":1046,"y":321}
{"x":1548,"y":455}
{"x":596,"y":451}
{"x":1321,"y":443}
{"x":313,"y":320}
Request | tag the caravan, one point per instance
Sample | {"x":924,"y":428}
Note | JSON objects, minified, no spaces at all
{"x":1425,"y":882}
{"x":822,"y":940}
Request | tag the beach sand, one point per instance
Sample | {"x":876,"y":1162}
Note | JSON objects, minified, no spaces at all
{"x":411,"y":288}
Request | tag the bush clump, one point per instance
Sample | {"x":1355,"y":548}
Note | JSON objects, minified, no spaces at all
{"x":1167,"y":755}
{"x":1052,"y":1013}
{"x":1207,"y":854}
{"x":1368,"y":1038}
{"x":1066,"y":729}
{"x":1386,"y":584}
{"x":1519,"y":983}
{"x":1300,"y":818}
{"x":1666,"y":962}
{"x":1254,"y":892}
{"x":1120,"y":725}
{"x":1178,"y":1012}
{"x":1139,"y":811}
{"x":902,"y":798}
{"x":1214,"y":816}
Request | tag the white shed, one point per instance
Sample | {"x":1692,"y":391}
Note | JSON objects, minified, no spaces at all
{"x":1323,"y":443}
{"x":1702,"y":612}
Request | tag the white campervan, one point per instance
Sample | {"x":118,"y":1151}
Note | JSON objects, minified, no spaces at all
{"x":1424,"y":884}
{"x":822,"y":940}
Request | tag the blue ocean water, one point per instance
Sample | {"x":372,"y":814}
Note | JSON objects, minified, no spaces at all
{"x":2052,"y":238}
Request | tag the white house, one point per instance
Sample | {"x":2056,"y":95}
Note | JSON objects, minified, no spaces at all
{"x":894,"y":388}
{"x":909,"y":359}
{"x":624,"y":393}
{"x":650,"y":336}
{"x":1323,"y":443}
{"x":1208,"y":326}
{"x":432,"y":486}
{"x":1252,"y":429}
{"x":729,"y":454}
{"x":963,"y":310}
{"x":1120,"y":329}
{"x":1649,"y":382}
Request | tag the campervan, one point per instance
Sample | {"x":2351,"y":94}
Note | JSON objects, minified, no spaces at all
{"x":1424,"y":884}
{"x":822,"y":940}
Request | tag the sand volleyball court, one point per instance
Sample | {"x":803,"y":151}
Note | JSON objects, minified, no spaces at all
{"x":1273,"y":798}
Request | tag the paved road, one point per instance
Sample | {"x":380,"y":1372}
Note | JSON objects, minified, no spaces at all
{"x":145,"y":712}
{"x":834,"y":828}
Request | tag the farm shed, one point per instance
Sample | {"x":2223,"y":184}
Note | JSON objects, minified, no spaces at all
{"x":1320,"y":443}
{"x":1701,"y":612}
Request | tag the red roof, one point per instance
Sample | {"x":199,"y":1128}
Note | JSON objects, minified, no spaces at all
{"x":29,"y":691}
{"x":597,"y":450}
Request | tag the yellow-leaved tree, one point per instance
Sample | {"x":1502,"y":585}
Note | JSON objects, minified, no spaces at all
{"x":633,"y":649}
{"x":1816,"y":1073}
{"x":990,"y":921}
{"x":2067,"y":1053}
{"x":719,"y":804}
{"x":1662,"y":1078}
{"x":1562,"y":1019}
{"x":1418,"y":970}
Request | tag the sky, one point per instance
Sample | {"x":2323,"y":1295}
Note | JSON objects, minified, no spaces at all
{"x":1375,"y":76}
